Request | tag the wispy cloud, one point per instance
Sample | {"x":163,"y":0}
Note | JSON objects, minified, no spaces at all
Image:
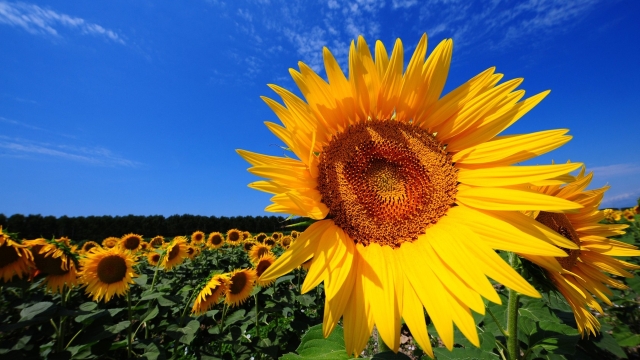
{"x":90,"y":155}
{"x":615,"y":170}
{"x":41,"y":21}
{"x":620,"y":200}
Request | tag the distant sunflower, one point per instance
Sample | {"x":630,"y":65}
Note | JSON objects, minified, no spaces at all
{"x":110,"y":242}
{"x":192,"y":252}
{"x":131,"y":242}
{"x":197,"y":237}
{"x":262,"y":265}
{"x":261,"y":237}
{"x":636,"y":209}
{"x":611,"y":215}
{"x":107,"y":272}
{"x":395,"y":173}
{"x":153,"y":258}
{"x":144,"y":246}
{"x":580,"y":275}
{"x":56,"y":260}
{"x":157,"y":242}
{"x":248,"y":245}
{"x":87,"y":246}
{"x":211,"y":293}
{"x":286,"y":241}
{"x":276,"y":236}
{"x":15,"y":258}
{"x":629,"y":215}
{"x":270,"y":242}
{"x":246,"y":235}
{"x":258,"y":251}
{"x":176,"y":253}
{"x":294,"y":234}
{"x":215,"y":240}
{"x":241,"y":282}
{"x":234,"y":237}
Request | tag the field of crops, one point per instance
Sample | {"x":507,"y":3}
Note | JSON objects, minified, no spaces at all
{"x":199,"y":297}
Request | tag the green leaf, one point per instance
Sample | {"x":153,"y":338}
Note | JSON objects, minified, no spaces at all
{"x":314,"y":346}
{"x":141,"y":280}
{"x":32,"y":311}
{"x":151,"y":314}
{"x":283,"y":279}
{"x":471,"y":353}
{"x":121,"y":326}
{"x":88,"y":306}
{"x":390,"y":355}
{"x":305,"y":300}
{"x":235,"y":317}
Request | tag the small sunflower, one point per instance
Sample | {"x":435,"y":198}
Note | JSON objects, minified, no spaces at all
{"x":248,"y":245}
{"x":276,"y":236}
{"x":295,"y":234}
{"x":580,"y":276}
{"x":15,"y":258}
{"x":286,"y":241}
{"x":157,"y":242}
{"x":261,"y":237}
{"x":153,"y":258}
{"x":144,"y":246}
{"x":629,"y":215}
{"x":87,"y":246}
{"x":131,"y":242}
{"x":246,"y":235}
{"x":107,"y":272}
{"x":234,"y":237}
{"x":56,"y":260}
{"x":192,"y":252}
{"x":611,"y":215}
{"x":110,"y":242}
{"x":210,"y":294}
{"x":262,"y":265}
{"x":270,"y":242}
{"x":241,"y":282}
{"x":197,"y":237}
{"x":215,"y":240}
{"x":258,"y":251}
{"x":176,"y":253}
{"x":636,"y":209}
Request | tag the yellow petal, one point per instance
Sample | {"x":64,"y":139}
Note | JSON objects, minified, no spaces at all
{"x":505,"y":199}
{"x":413,"y":315}
{"x":513,"y":175}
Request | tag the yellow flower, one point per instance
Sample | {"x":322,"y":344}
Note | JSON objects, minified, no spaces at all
{"x":131,"y":242}
{"x":286,"y":241}
{"x":15,"y":258}
{"x":234,"y":237}
{"x":192,"y":252}
{"x":215,"y":240}
{"x":276,"y":236}
{"x":270,"y":242}
{"x":197,"y":237}
{"x":56,"y":260}
{"x":412,"y":190}
{"x":110,"y":242}
{"x":153,"y":258}
{"x":87,"y":246}
{"x":246,"y":235}
{"x":210,"y":294}
{"x":157,"y":242}
{"x":248,"y":245}
{"x":241,"y":282}
{"x":261,"y":237}
{"x":262,"y":265}
{"x":294,"y":234}
{"x":581,"y":275}
{"x":629,"y":215}
{"x":107,"y":272}
{"x":144,"y":246}
{"x":257,"y":251}
{"x":176,"y":253}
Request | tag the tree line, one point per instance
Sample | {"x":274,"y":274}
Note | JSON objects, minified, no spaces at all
{"x":99,"y":227}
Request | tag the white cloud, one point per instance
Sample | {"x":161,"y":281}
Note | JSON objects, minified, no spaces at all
{"x":403,"y":3}
{"x":615,"y":170}
{"x":37,"y":20}
{"x":621,"y":200}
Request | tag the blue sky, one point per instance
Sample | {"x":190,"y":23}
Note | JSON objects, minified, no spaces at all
{"x":137,"y":107}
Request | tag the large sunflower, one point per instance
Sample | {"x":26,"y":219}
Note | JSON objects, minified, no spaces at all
{"x":56,"y":260}
{"x":210,"y":294}
{"x":396,"y":174}
{"x":176,"y":253}
{"x":107,"y":272}
{"x":580,"y":276}
{"x":15,"y":258}
{"x":241,"y":282}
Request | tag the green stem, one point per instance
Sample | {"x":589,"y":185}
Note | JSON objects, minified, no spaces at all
{"x":255,"y":297}
{"x":130,"y":324}
{"x":73,"y":338}
{"x":60,"y":339}
{"x":513,"y":348}
{"x":153,"y":283}
{"x":224,"y":314}
{"x":504,"y":333}
{"x":187,"y":305}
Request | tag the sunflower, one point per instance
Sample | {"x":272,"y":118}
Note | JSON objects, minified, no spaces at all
{"x":153,"y":258}
{"x":131,"y":242}
{"x":15,"y":258}
{"x":263,"y":264}
{"x":629,"y":215}
{"x":257,"y":251}
{"x":286,"y":241}
{"x":580,"y":276}
{"x":197,"y":237}
{"x":246,"y":235}
{"x":276,"y":236}
{"x":144,"y":246}
{"x":234,"y":237}
{"x":192,"y":252}
{"x":157,"y":242}
{"x":248,"y":245}
{"x":294,"y":234}
{"x":261,"y":237}
{"x":215,"y":240}
{"x":210,"y":294}
{"x":636,"y":209}
{"x":176,"y":253}
{"x":110,"y":242}
{"x":611,"y":215}
{"x":107,"y":272}
{"x":395,"y":174}
{"x":89,"y":245}
{"x":241,"y":282}
{"x":56,"y":260}
{"x":270,"y":242}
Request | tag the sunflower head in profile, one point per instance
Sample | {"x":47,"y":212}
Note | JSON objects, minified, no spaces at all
{"x":629,"y":215}
{"x":87,"y":246}
{"x":580,"y":276}
{"x":131,"y":242}
{"x":270,"y":242}
{"x":56,"y":261}
{"x":234,"y":237}
{"x":176,"y":252}
{"x":276,"y":236}
{"x":286,"y":241}
{"x":241,"y":283}
{"x":192,"y":252}
{"x":263,"y":264}
{"x":157,"y":242}
{"x":248,"y":245}
{"x":215,"y":240}
{"x":261,"y":237}
{"x":611,"y":216}
{"x":144,"y":246}
{"x":107,"y":272}
{"x":15,"y":258}
{"x":246,"y":235}
{"x":211,"y":294}
{"x":197,"y":237}
{"x":294,"y":234}
{"x":153,"y":258}
{"x":110,"y":242}
{"x":636,"y":209}
{"x":395,"y":172}
{"x":257,"y":251}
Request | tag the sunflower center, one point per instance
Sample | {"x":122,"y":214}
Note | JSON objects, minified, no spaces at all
{"x":238,"y":282}
{"x":8,"y":255}
{"x":112,"y":269}
{"x":132,"y":243}
{"x":561,"y":224}
{"x":385,"y":182}
{"x":155,"y":258}
{"x":234,"y":236}
{"x":262,"y":266}
{"x":175,"y":250}
{"x":216,"y":239}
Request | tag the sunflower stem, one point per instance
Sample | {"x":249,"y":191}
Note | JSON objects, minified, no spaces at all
{"x":255,"y":297}
{"x":153,"y":283}
{"x":187,"y":305}
{"x":512,"y":318}
{"x":60,"y":338}
{"x":129,"y":328}
{"x":495,"y":320}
